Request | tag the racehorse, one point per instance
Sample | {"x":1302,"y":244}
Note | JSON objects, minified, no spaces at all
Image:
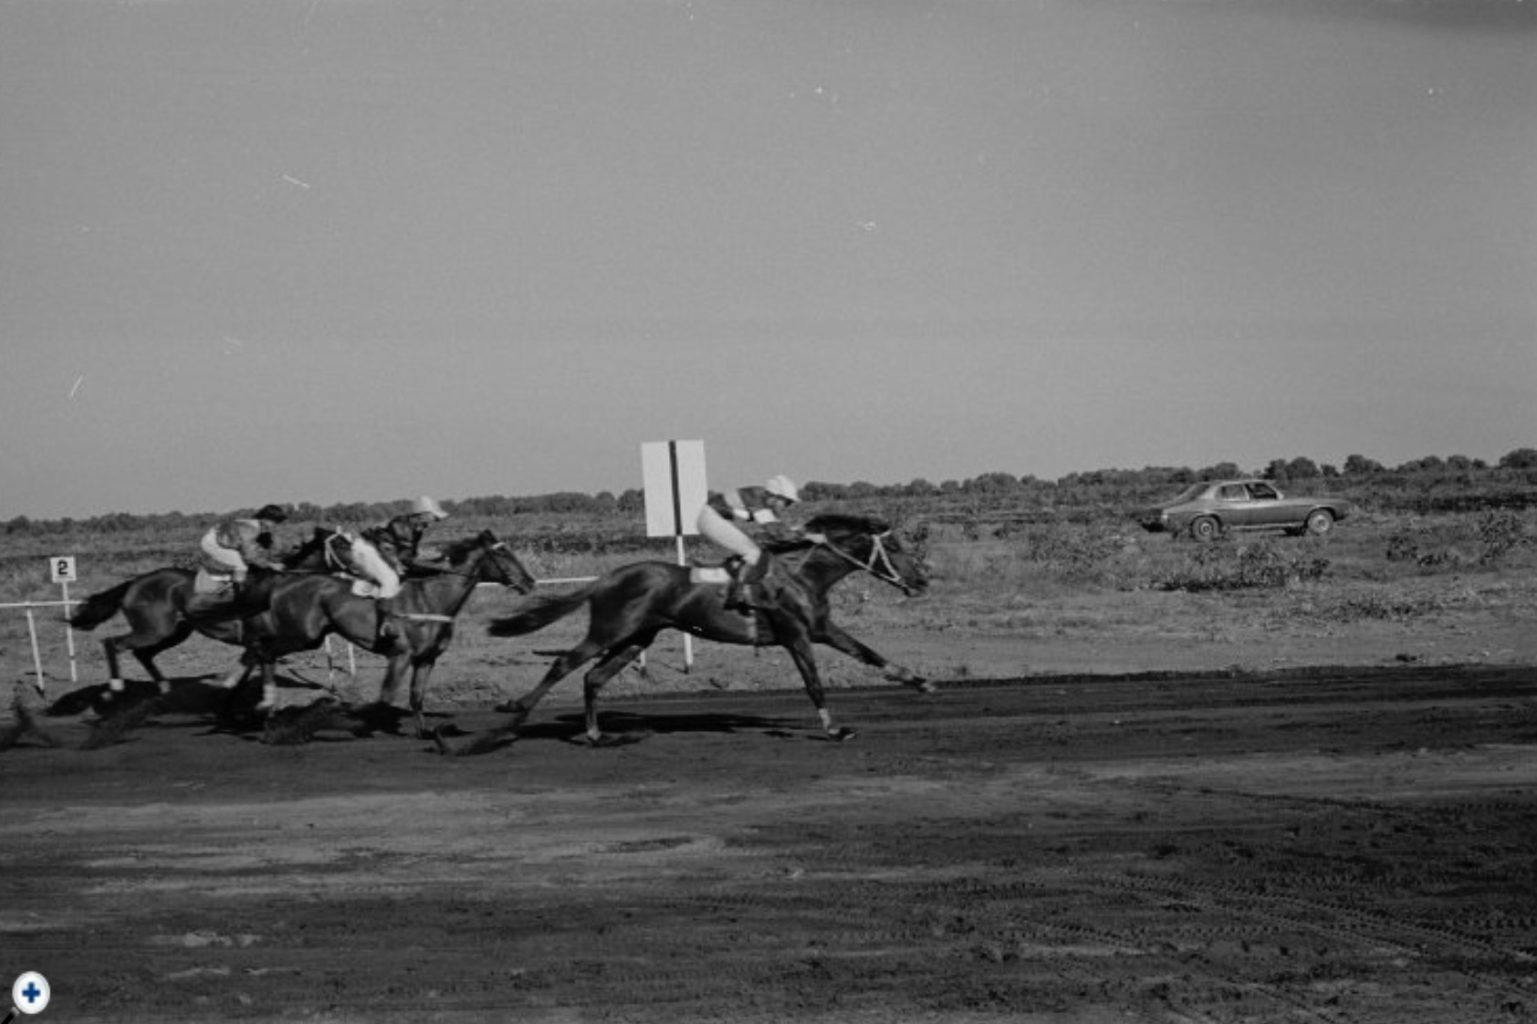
{"x":304,"y":609}
{"x":632,"y":604}
{"x":155,"y":606}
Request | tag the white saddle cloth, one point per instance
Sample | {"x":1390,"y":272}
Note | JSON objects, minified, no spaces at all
{"x":364,"y":588}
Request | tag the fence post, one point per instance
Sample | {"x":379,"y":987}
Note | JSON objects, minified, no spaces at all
{"x":69,"y":634}
{"x":37,"y":658}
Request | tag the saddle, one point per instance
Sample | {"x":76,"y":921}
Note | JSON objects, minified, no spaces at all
{"x":744,"y":595}
{"x":709,"y":575}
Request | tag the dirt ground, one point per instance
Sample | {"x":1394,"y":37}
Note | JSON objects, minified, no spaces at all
{"x":1193,"y":844}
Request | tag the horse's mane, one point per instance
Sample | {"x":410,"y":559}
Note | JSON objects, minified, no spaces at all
{"x":843,"y":522}
{"x":457,"y":551}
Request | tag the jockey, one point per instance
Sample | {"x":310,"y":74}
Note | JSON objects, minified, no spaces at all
{"x":399,"y":540}
{"x":760,"y":508}
{"x":228,"y":550}
{"x":384,"y":553}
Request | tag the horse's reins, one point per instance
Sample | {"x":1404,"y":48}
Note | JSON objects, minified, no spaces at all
{"x":887,"y":572}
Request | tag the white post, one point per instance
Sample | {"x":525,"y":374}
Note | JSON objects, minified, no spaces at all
{"x":69,"y":633}
{"x":37,"y":658}
{"x":688,"y":639}
{"x":673,"y":475}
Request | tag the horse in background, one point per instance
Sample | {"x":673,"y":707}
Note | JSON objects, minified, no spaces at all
{"x":303,"y":610}
{"x":154,"y":604}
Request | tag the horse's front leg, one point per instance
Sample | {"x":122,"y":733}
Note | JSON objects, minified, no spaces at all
{"x":800,"y":651}
{"x":835,"y":637}
{"x":269,"y":701}
{"x":394,"y":673}
{"x":421,"y":672}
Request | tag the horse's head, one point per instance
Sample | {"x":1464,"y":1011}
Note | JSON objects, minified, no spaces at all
{"x":494,"y":561}
{"x":314,"y":554}
{"x":873,"y":545}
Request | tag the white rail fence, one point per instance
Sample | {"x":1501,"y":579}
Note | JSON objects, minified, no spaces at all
{"x":69,"y":637}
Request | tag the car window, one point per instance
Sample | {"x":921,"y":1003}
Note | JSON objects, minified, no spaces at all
{"x":1263,"y":492}
{"x":1232,"y":492}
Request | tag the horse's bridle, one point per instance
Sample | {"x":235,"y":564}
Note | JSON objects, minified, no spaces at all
{"x":879,"y":563}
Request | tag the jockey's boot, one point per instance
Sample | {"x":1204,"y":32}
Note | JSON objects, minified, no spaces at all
{"x":734,"y":567}
{"x":752,"y":574}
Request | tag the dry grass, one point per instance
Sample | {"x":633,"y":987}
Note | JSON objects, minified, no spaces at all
{"x":1094,"y":584}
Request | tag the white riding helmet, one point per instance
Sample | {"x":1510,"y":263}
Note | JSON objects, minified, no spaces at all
{"x":425,"y":506}
{"x":782,"y":486}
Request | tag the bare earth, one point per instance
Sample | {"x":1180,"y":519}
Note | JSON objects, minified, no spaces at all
{"x":1198,"y":844}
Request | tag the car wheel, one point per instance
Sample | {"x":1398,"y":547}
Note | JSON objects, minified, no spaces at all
{"x":1205,"y":529}
{"x":1319,"y":522}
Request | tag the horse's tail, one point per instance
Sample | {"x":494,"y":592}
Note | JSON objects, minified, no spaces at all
{"x":540,"y":612}
{"x":98,"y":608}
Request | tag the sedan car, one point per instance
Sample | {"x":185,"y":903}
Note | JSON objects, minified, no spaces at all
{"x":1211,"y":508}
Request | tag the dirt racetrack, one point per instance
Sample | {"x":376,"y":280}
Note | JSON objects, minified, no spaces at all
{"x":1321,"y":846}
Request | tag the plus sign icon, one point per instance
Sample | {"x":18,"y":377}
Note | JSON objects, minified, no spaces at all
{"x":30,"y":993}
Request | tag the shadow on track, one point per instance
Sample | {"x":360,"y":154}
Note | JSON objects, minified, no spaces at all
{"x":621,"y":728}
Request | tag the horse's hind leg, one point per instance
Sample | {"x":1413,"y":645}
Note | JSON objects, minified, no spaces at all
{"x":612,"y":664}
{"x":559,"y":669}
{"x":147,"y":655}
{"x":144,"y":644}
{"x":114,"y":672}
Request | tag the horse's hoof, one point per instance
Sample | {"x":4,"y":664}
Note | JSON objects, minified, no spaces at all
{"x":842,"y":734}
{"x":924,"y":686}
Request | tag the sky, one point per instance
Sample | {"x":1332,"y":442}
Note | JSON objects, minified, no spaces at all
{"x":360,"y":250}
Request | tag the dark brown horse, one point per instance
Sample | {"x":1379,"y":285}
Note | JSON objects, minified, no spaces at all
{"x":155,"y":607}
{"x":304,"y":609}
{"x":631,"y":605}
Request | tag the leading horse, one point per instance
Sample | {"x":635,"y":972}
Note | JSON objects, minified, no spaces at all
{"x":632,"y":604}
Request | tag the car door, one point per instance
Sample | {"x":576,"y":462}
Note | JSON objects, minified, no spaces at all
{"x":1234,"y":505}
{"x":1265,"y":505}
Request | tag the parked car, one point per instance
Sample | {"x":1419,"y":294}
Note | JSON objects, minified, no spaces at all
{"x":1211,"y":508}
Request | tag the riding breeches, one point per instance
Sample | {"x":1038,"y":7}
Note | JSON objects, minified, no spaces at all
{"x":719,"y":530}
{"x":219,"y":560}
{"x":367,"y":560}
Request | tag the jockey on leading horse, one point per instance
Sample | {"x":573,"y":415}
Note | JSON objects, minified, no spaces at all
{"x":759,"y":507}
